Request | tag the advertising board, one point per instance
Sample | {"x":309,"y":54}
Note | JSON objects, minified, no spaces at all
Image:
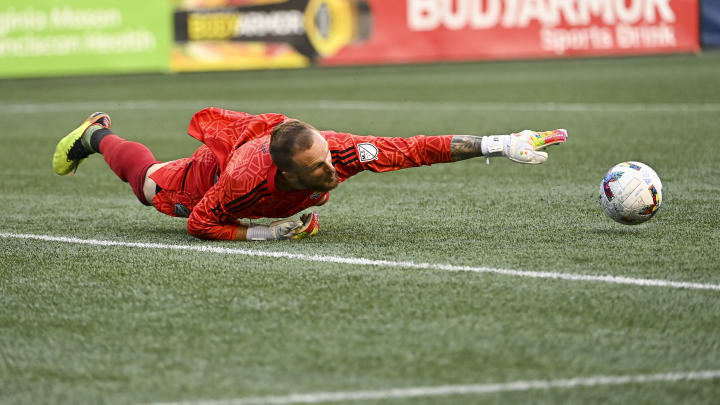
{"x":295,"y":33}
{"x":57,"y":37}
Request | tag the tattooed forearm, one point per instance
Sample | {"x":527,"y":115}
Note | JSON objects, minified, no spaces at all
{"x":465,"y":147}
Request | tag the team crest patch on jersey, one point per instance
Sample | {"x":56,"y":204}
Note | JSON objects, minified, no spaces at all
{"x":367,"y":152}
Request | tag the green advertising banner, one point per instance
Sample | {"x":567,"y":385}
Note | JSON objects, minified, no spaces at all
{"x":59,"y":37}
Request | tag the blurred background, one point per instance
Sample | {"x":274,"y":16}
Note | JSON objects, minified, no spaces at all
{"x":71,"y":37}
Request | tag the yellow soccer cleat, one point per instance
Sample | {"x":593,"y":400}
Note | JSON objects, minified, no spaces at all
{"x":74,"y":147}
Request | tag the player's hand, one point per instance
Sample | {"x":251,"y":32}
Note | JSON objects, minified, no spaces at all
{"x":525,"y":146}
{"x":310,"y":226}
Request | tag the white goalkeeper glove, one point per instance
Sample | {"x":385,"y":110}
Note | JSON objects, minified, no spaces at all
{"x":307,"y":226}
{"x":523,"y":146}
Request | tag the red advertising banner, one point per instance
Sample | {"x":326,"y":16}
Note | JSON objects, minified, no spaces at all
{"x":226,"y":34}
{"x":432,"y":30}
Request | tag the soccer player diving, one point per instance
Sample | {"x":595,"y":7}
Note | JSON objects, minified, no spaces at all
{"x":270,"y":166}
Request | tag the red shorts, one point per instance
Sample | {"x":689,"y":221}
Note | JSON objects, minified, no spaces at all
{"x":182,"y":183}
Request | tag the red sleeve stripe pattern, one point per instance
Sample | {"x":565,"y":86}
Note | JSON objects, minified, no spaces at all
{"x":346,"y":156}
{"x":253,"y":196}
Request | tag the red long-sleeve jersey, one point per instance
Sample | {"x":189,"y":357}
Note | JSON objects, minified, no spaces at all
{"x":246,"y":188}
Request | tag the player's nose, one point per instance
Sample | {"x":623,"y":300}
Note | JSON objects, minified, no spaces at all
{"x":329,"y":168}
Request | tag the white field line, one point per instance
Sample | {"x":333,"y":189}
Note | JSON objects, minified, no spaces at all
{"x":267,"y":105}
{"x":372,"y":262}
{"x":397,"y":393}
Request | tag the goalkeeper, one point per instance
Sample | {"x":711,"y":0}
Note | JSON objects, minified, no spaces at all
{"x":270,"y":166}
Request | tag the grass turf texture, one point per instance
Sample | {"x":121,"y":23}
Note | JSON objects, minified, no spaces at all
{"x":120,"y":325}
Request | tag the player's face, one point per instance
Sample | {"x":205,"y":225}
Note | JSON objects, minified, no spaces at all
{"x":315,"y":168}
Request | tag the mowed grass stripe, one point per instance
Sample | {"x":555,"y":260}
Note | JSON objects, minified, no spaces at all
{"x":357,"y":105}
{"x":377,"y":263}
{"x":414,"y":392}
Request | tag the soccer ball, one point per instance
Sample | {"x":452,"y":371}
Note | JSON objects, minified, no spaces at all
{"x":631,"y":193}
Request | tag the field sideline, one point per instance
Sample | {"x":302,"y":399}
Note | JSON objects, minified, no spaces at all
{"x":459,"y":283}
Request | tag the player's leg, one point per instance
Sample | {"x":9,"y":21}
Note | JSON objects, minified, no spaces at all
{"x":149,"y":185}
{"x":175,"y":187}
{"x":129,"y":160}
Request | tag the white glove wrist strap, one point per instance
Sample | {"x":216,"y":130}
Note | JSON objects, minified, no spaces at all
{"x":260,"y":232}
{"x":493,"y":145}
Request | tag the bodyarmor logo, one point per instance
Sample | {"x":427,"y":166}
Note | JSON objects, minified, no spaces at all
{"x":312,"y":27}
{"x":428,"y":15}
{"x":282,"y":22}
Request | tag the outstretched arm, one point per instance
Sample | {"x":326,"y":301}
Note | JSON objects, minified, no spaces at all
{"x":353,"y":154}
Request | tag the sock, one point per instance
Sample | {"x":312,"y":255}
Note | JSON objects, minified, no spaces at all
{"x":129,"y":160}
{"x":96,"y":136}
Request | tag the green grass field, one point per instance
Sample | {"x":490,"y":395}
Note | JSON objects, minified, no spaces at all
{"x":87,"y":324}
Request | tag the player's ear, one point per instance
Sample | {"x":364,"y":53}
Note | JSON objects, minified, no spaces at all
{"x":289,"y":176}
